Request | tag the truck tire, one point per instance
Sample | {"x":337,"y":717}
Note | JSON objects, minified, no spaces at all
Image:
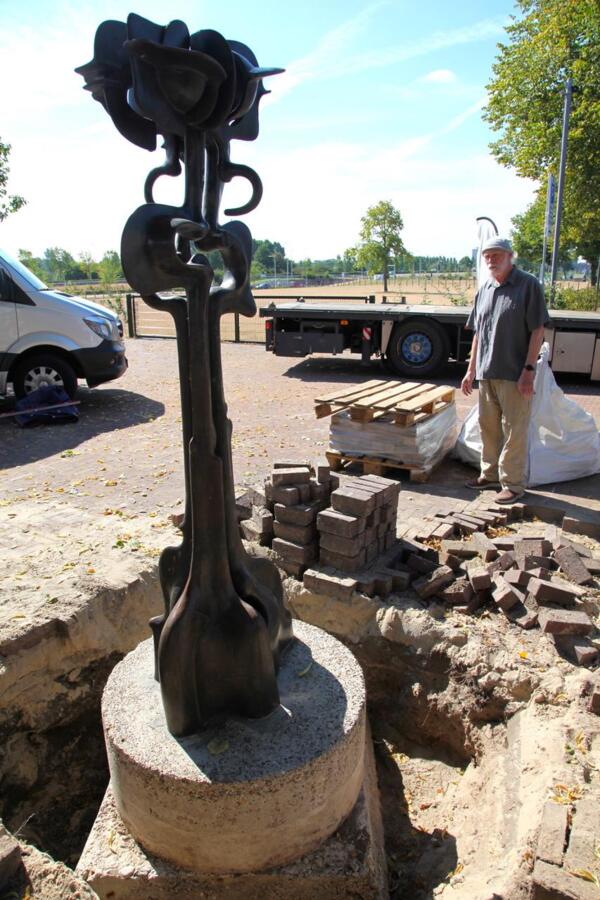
{"x":417,"y":348}
{"x":43,"y":369}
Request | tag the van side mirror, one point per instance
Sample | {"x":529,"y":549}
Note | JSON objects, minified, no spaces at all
{"x":6,"y":286}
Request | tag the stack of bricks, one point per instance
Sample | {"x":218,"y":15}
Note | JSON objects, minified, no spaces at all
{"x":296,"y":499}
{"x":361,"y":523}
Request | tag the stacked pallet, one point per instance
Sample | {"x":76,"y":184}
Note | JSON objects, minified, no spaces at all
{"x":390,"y":425}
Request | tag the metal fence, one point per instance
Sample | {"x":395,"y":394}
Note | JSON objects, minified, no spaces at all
{"x":143,"y":321}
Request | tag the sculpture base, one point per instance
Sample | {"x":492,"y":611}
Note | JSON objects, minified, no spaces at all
{"x":246,"y":795}
{"x":349,"y":864}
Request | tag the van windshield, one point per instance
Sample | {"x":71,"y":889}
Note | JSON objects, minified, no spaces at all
{"x":18,"y":267}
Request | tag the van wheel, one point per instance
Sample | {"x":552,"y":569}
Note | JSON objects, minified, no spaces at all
{"x":417,"y":348}
{"x":44,"y":370}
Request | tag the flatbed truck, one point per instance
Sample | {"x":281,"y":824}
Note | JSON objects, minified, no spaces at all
{"x":415,"y":341}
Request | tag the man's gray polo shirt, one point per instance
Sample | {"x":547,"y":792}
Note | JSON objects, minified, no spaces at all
{"x":503,"y":318}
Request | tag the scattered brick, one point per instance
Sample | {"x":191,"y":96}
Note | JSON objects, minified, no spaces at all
{"x":592,"y":529}
{"x":583,"y":839}
{"x":328,"y":583}
{"x":293,"y":464}
{"x":459,"y":593}
{"x":525,"y":615}
{"x":500,"y":513}
{"x":541,"y":573}
{"x":291,"y":568}
{"x":532,"y":547}
{"x":482,"y":515}
{"x":292,"y":552}
{"x":505,"y":561}
{"x":384,"y":583}
{"x":551,"y":592}
{"x":480,"y":578}
{"x":426,"y":530}
{"x":553,"y":833}
{"x":517,"y":577}
{"x":263,"y":518}
{"x":556,"y":883}
{"x":287,"y":496}
{"x":553,"y":534}
{"x":480,"y":524}
{"x":577,"y":649}
{"x":485,"y":548}
{"x":421,"y":564}
{"x":408,"y":546}
{"x":401,"y":579}
{"x":252,"y":532}
{"x":506,"y":542}
{"x":517,"y":511}
{"x":297,"y":534}
{"x":444,"y":531}
{"x":592,"y":565}
{"x":594,"y":703}
{"x":459,"y":548}
{"x":352,"y":502}
{"x":463,"y":525}
{"x":449,"y":559}
{"x":572,"y":566}
{"x":293,"y":475}
{"x":565,"y":621}
{"x":504,"y":594}
{"x":428,"y":585}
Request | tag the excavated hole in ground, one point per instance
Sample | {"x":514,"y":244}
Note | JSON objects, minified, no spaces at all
{"x":424,"y":719}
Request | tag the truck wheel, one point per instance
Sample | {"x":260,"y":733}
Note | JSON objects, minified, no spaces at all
{"x":44,"y":370}
{"x":417,"y":348}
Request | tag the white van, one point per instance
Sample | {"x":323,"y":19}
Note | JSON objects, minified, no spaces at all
{"x":48,"y":338}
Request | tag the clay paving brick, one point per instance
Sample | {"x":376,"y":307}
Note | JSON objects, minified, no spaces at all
{"x":263,"y":518}
{"x":366,"y":583}
{"x":400,"y":578}
{"x":485,"y":547}
{"x":328,"y":583}
{"x":384,"y":583}
{"x":449,"y":559}
{"x":286,"y":495}
{"x":304,"y":493}
{"x":577,"y":649}
{"x":504,"y":594}
{"x":391,"y":488}
{"x":530,"y":547}
{"x":291,"y":568}
{"x":304,"y":514}
{"x":505,"y":542}
{"x":428,"y":585}
{"x":505,"y":561}
{"x":323,"y":473}
{"x":343,"y":563}
{"x":464,"y":526}
{"x":553,"y":833}
{"x":333,"y":522}
{"x":592,"y":565}
{"x":292,"y":552}
{"x":408,"y":546}
{"x":592,"y":529}
{"x":535,"y":562}
{"x":421,"y":564}
{"x":425,"y":530}
{"x":523,"y":614}
{"x":480,"y":578}
{"x":352,"y":502}
{"x":467,"y":517}
{"x":252,"y":532}
{"x":583,"y":838}
{"x":517,"y":577}
{"x":459,"y":548}
{"x":294,"y":476}
{"x":459,"y":593}
{"x":556,"y":883}
{"x":564,"y":621}
{"x":594,"y":702}
{"x":572,"y":566}
{"x":368,"y":487}
{"x":552,"y":592}
{"x":344,"y":546}
{"x":444,"y":531}
{"x":297,"y":534}
{"x":539,"y":572}
{"x":318,"y":491}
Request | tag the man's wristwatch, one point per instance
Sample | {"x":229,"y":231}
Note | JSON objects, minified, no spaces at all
{"x":529,"y":368}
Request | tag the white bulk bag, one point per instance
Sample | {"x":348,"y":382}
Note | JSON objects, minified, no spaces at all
{"x":564,"y":442}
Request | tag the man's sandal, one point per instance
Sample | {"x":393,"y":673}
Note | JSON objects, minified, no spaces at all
{"x":506,"y":496}
{"x":481,"y":484}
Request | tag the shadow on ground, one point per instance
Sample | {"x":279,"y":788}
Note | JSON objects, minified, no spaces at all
{"x":100,"y":412}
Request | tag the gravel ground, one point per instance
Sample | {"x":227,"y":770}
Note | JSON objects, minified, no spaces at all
{"x":125,"y":451}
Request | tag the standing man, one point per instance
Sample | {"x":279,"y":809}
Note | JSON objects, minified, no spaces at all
{"x":508,"y":319}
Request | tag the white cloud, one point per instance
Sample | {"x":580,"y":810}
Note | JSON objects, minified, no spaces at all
{"x":440,"y":76}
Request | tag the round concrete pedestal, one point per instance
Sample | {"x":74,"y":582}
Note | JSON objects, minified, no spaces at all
{"x":250,"y":794}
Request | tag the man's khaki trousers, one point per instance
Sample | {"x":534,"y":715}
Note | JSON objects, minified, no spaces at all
{"x":504,"y":416}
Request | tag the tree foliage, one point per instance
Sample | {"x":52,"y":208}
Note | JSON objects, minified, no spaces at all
{"x":380,"y":241}
{"x":551,"y":41}
{"x":8,"y":204}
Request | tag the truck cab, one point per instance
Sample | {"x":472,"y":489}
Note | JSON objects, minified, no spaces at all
{"x":48,"y":338}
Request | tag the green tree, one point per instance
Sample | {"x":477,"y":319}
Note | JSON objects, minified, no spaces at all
{"x":33,"y":263}
{"x":551,"y":41}
{"x":88,"y":264}
{"x":8,"y":204}
{"x":380,"y":240}
{"x":109,"y":267}
{"x":58,"y":263}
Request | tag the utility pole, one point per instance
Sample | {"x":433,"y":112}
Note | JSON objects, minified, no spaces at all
{"x":547,"y":223}
{"x":561,"y":184}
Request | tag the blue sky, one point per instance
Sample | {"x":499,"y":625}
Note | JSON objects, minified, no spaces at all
{"x":379,"y":101}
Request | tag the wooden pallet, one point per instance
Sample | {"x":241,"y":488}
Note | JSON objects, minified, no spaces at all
{"x":406,"y":402}
{"x":373,"y":466}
